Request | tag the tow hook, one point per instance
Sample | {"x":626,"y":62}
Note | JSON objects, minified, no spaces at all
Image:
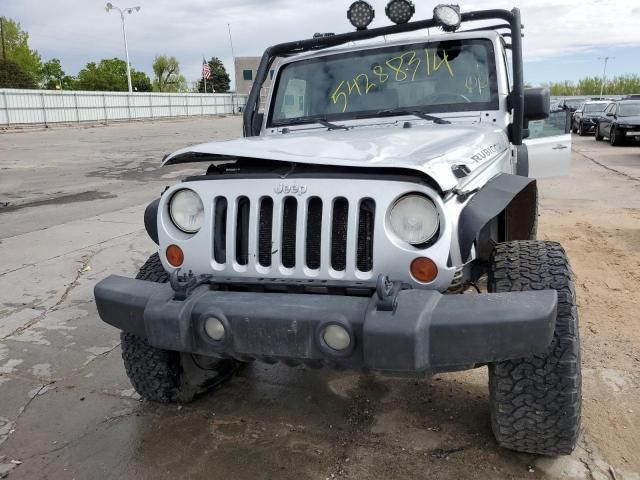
{"x":387,"y":292}
{"x":183,"y":285}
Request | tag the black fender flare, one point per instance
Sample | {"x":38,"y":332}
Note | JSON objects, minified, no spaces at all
{"x":151,"y":220}
{"x":489,"y":202}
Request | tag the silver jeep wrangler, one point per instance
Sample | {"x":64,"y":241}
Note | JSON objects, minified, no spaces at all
{"x":380,"y":215}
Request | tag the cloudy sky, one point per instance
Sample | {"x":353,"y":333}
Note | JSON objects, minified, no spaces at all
{"x":563,"y":41}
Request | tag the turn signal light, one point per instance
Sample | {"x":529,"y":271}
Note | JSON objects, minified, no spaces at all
{"x":424,"y":269}
{"x":175,"y":255}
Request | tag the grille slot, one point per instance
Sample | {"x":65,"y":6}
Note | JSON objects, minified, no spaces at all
{"x":339,"y":234}
{"x":314,"y":233}
{"x":220,"y":230}
{"x":264,"y":231}
{"x":242,"y":231}
{"x":366,"y":218}
{"x":289,"y":220}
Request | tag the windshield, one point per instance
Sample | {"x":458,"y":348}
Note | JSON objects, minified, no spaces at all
{"x":450,"y":76}
{"x":630,"y":109}
{"x":595,"y":107}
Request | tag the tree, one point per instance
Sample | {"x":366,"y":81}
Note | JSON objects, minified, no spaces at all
{"x":621,"y":85}
{"x":11,"y":76}
{"x":110,"y":75}
{"x":219,"y":80}
{"x":140,"y":82}
{"x":53,"y":77}
{"x":18,"y":51}
{"x":167,"y":75}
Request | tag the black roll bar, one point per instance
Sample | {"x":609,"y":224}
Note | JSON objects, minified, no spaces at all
{"x":252,"y":122}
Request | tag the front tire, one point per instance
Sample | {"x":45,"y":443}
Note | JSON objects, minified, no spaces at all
{"x":598,"y":137}
{"x":615,"y":138}
{"x":165,"y":376}
{"x":581,"y":131}
{"x":536,"y":401}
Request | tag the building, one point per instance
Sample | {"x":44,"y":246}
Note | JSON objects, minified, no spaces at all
{"x":245,"y":71}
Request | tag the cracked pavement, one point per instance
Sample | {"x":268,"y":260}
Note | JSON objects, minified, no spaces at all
{"x":67,"y":409}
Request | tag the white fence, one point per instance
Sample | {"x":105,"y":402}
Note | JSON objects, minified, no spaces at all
{"x":32,"y":107}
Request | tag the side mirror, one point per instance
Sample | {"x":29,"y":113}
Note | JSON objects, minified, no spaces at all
{"x":610,"y":114}
{"x":537,"y":104}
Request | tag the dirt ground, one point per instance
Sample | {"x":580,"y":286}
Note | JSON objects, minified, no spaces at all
{"x":71,"y":203}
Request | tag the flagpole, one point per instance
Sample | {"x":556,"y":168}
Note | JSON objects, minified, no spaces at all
{"x":202,"y":72}
{"x":235,"y":80}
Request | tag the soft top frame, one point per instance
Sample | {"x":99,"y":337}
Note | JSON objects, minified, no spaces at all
{"x":252,"y":121}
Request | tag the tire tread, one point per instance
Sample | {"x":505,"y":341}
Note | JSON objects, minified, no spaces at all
{"x":536,"y":402}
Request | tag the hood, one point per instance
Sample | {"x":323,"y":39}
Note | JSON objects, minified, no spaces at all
{"x":634,"y":120}
{"x":430,"y":149}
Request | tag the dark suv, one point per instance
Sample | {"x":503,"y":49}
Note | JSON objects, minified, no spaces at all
{"x":618,"y":121}
{"x":585,"y":118}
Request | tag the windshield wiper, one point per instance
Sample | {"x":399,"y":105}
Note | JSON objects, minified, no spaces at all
{"x":329,"y":125}
{"x":308,"y":120}
{"x":415,"y":113}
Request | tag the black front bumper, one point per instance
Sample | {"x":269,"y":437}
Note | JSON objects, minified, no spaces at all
{"x":588,"y":125}
{"x":427,"y":331}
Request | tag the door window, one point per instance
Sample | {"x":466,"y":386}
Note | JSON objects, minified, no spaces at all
{"x":558,"y":123}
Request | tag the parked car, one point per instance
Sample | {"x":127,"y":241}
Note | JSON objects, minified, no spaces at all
{"x":585,"y":118}
{"x":619,"y":121}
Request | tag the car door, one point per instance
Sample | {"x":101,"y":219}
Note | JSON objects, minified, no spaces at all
{"x":606,"y":119}
{"x":549,"y":145}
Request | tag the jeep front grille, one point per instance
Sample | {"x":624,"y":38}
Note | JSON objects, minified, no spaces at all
{"x":290,"y":230}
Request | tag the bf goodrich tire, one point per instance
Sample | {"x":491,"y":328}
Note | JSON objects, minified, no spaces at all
{"x":165,"y":376}
{"x":536,"y":401}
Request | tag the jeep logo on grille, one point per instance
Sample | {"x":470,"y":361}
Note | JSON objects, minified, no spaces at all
{"x":294,"y":189}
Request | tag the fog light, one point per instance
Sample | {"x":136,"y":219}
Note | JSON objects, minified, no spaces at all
{"x":175,"y":255}
{"x":214,"y":328}
{"x":336,"y":337}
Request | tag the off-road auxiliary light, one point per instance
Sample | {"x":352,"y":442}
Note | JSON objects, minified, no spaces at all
{"x":400,"y":11}
{"x":214,"y":328}
{"x":336,"y":337}
{"x":361,"y":14}
{"x":448,"y":17}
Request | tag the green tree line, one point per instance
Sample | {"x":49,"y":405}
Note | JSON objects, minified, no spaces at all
{"x":23,"y":67}
{"x":620,"y":85}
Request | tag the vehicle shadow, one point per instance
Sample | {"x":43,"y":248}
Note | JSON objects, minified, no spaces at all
{"x":279,"y":422}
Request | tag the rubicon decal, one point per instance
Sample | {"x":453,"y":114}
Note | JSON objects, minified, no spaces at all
{"x":487,"y":152}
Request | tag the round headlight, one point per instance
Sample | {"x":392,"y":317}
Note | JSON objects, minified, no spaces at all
{"x":414,"y":218}
{"x":186,"y":211}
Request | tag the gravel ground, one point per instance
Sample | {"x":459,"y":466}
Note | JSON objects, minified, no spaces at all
{"x":71,"y":202}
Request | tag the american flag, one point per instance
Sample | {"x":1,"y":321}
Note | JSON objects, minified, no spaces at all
{"x":206,"y":70}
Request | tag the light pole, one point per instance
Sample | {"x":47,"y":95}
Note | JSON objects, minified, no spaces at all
{"x":604,"y":73}
{"x":122,"y":11}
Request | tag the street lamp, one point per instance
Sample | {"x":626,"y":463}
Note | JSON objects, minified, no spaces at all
{"x":122,"y":11}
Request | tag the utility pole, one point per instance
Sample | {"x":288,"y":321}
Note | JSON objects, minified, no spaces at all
{"x":604,"y":73}
{"x":235,"y":80}
{"x":128,"y":10}
{"x":4,"y":51}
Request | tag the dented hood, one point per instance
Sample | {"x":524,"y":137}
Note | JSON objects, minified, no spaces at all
{"x":430,"y":149}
